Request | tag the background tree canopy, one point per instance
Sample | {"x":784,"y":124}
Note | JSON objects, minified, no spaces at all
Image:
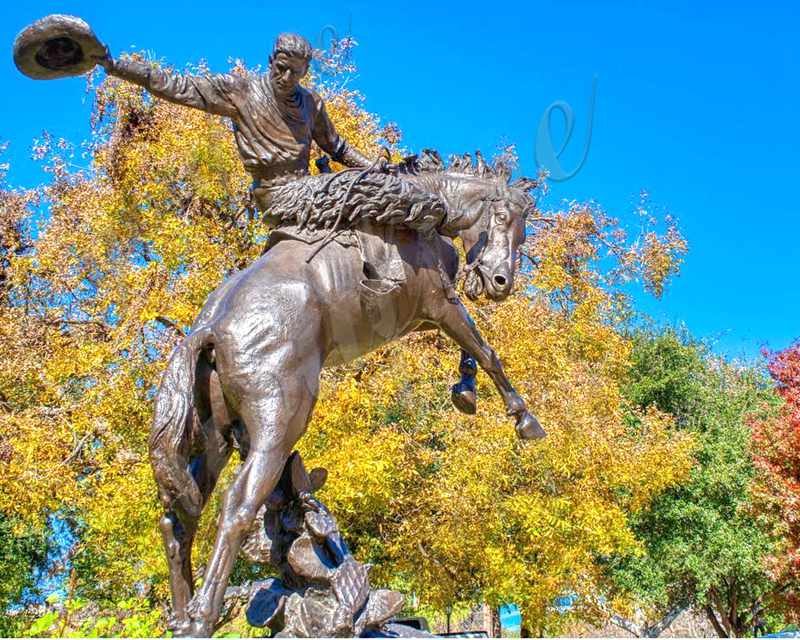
{"x":638,"y":500}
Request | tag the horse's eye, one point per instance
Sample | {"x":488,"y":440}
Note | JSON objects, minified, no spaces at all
{"x":501,"y":216}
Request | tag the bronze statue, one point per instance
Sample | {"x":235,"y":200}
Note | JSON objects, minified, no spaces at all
{"x":275,"y":119}
{"x":248,"y":372}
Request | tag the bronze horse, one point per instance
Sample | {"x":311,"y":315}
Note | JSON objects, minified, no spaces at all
{"x":249,"y":369}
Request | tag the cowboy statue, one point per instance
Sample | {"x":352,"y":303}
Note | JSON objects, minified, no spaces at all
{"x":275,"y":120}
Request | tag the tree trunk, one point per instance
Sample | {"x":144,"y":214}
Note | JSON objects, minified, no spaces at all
{"x":655,"y":630}
{"x":628,"y":625}
{"x":712,"y":617}
{"x":646,"y":630}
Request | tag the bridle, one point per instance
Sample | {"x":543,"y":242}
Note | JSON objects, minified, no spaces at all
{"x":473,"y":264}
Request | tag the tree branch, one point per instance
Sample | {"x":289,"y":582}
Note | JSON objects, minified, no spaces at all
{"x":76,"y":451}
{"x":715,"y":623}
{"x":723,"y":619}
{"x":170,"y":325}
{"x":437,"y":562}
{"x":655,"y":630}
{"x":628,"y":625}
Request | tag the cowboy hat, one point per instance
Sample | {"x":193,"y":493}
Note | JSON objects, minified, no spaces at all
{"x":57,"y":46}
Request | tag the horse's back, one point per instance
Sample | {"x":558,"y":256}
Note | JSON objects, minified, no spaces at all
{"x":316,"y":297}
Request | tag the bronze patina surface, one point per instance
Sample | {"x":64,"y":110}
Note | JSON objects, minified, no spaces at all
{"x":248,"y":372}
{"x":322,"y":590}
{"x":275,"y":118}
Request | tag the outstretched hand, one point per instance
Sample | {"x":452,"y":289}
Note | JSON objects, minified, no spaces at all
{"x":384,"y":166}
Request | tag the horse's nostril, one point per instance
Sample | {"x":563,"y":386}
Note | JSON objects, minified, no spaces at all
{"x":500,"y":281}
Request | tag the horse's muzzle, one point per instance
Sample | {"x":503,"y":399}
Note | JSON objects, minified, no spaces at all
{"x":499,"y":284}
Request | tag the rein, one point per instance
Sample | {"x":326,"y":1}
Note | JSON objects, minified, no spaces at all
{"x":335,"y":228}
{"x":472,"y":265}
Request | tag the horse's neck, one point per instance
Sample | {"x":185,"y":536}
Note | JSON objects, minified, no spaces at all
{"x":465,"y":197}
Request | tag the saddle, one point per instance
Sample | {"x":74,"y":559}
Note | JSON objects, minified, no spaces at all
{"x":384,"y":268}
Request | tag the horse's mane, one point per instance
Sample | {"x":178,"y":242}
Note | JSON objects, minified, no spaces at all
{"x":346,"y":198}
{"x":430,"y":161}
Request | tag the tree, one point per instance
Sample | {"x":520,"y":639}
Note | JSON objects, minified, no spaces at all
{"x":23,"y":550}
{"x":452,"y":507}
{"x":23,"y":544}
{"x":704,"y":544}
{"x":462,"y":510}
{"x":777,"y":454}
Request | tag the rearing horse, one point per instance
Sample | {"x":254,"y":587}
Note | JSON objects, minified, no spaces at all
{"x":249,"y":369}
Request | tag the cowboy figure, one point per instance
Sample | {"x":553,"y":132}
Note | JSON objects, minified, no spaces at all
{"x":274,"y":119}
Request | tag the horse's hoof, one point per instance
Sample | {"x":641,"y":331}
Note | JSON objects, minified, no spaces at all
{"x":199,"y":629}
{"x":180,"y":627}
{"x":463,"y":398}
{"x":528,"y":428}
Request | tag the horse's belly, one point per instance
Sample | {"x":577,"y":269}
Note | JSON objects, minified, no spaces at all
{"x":363,"y":342}
{"x":358,"y":319}
{"x":353,"y":319}
{"x":365,"y":322}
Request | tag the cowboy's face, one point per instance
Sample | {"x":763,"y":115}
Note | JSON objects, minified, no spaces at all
{"x":285,"y":72}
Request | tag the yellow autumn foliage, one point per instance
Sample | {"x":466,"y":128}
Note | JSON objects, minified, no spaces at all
{"x":454,"y":507}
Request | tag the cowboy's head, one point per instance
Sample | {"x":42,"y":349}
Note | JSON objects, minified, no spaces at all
{"x":288,"y":63}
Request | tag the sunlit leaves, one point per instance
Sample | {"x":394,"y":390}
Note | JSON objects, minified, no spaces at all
{"x":777,"y":454}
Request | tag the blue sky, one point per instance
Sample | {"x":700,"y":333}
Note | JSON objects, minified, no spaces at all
{"x":696,"y":103}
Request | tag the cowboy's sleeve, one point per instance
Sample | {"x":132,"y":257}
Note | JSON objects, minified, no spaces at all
{"x":324,"y":134}
{"x":211,"y":93}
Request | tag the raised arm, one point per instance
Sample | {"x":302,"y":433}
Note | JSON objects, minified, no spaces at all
{"x":331,"y":143}
{"x":211,"y":93}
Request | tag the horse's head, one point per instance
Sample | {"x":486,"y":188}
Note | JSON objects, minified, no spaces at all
{"x":488,"y":214}
{"x":492,"y":243}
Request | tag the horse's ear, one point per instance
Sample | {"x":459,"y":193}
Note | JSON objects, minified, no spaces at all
{"x":503,"y":172}
{"x":430,"y":160}
{"x":525,"y":184}
{"x":482,"y":169}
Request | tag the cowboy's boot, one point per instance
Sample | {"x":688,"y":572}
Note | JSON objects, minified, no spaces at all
{"x":463,"y":393}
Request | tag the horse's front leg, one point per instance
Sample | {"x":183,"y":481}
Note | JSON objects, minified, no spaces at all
{"x":463,"y":393}
{"x":457,"y":323}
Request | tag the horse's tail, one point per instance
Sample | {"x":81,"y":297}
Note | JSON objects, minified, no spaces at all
{"x":170,"y":436}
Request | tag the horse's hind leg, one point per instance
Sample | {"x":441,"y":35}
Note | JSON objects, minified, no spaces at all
{"x":275,"y":408}
{"x":177,"y":527}
{"x":177,"y":534}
